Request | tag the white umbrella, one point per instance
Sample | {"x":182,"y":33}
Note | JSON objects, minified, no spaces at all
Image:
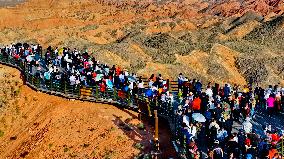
{"x":131,"y":79}
{"x":198,"y":117}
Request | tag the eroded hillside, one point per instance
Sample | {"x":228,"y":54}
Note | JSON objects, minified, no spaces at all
{"x":223,"y":41}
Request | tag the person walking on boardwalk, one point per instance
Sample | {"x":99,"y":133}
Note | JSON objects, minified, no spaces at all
{"x":270,"y":104}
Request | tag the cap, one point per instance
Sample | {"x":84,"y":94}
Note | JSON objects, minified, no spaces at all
{"x":216,"y":142}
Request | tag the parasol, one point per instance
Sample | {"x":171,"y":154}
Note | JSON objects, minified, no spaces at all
{"x":131,"y":79}
{"x":198,"y":117}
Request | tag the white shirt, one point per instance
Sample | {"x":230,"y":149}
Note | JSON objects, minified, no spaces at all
{"x":247,"y":126}
{"x":181,"y":78}
{"x":209,"y":92}
{"x":50,"y":69}
{"x":72,"y":80}
{"x":211,"y":105}
{"x":185,"y":119}
{"x":154,"y":88}
{"x":163,"y":98}
{"x":192,"y":130}
{"x":141,"y":85}
{"x":171,"y":98}
{"x":214,"y":124}
{"x":150,"y":83}
{"x":131,"y":85}
{"x":66,"y":57}
{"x":236,"y":139}
{"x":121,"y":76}
{"x":77,"y":81}
{"x":126,"y":73}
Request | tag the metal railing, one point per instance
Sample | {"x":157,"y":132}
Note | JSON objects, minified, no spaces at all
{"x":137,"y":102}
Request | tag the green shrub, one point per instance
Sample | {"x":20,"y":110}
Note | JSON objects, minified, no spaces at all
{"x":3,"y":101}
{"x":112,"y":129}
{"x":139,"y":146}
{"x":89,"y":27}
{"x":1,"y":133}
{"x":94,"y":153}
{"x":16,"y":92}
{"x":86,"y":145}
{"x":66,"y":149}
{"x":72,"y":155}
{"x":119,"y":138}
{"x":141,"y":126}
{"x":108,"y":154}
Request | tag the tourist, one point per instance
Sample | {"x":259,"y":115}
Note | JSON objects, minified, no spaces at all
{"x":270,"y":104}
{"x":221,"y":107}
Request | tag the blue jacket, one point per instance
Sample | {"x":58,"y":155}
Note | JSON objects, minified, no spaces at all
{"x":227,"y":91}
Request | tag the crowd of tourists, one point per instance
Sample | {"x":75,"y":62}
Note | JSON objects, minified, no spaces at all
{"x":207,"y":113}
{"x":222,"y":106}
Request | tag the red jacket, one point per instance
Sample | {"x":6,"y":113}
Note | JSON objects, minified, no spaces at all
{"x":196,"y":104}
{"x":102,"y":87}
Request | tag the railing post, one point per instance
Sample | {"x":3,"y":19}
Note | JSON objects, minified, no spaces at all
{"x":21,"y":64}
{"x":65,"y":87}
{"x":79,"y":90}
{"x":129,"y":99}
{"x":169,"y":85}
{"x":184,"y":144}
{"x":27,"y":75}
{"x":38,"y":83}
{"x":156,"y":138}
{"x":51,"y":83}
{"x":149,"y":108}
{"x":282,"y":146}
{"x":32,"y":80}
{"x":170,"y":108}
{"x":157,"y":104}
{"x":175,"y":128}
{"x":114,"y":94}
{"x":135,"y":101}
{"x":25,"y":65}
{"x":97,"y":93}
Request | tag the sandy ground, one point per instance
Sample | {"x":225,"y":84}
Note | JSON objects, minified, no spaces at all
{"x":36,"y":125}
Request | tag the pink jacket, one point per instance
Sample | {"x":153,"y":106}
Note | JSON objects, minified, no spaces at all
{"x":270,"y":102}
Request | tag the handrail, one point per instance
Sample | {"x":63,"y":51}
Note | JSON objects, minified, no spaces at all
{"x":136,"y":102}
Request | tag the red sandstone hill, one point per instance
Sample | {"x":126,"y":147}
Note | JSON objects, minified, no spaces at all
{"x":210,"y":39}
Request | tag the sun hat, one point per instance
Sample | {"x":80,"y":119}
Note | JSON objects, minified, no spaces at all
{"x":216,"y":142}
